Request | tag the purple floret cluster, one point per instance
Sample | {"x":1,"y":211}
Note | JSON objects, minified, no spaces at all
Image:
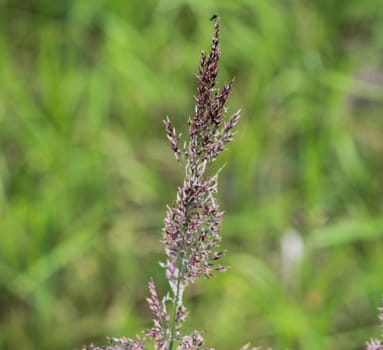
{"x":191,"y":234}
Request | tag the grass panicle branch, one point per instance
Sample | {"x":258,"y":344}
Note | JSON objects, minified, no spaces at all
{"x":191,"y":232}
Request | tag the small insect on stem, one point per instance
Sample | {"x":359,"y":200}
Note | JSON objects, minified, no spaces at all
{"x":214,"y":17}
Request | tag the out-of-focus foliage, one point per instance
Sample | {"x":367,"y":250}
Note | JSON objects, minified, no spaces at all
{"x":86,"y":171}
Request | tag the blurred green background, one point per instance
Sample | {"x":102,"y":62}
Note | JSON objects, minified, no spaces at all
{"x":86,"y":170}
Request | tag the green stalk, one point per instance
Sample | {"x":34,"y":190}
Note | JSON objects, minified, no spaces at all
{"x":180,"y":269}
{"x":177,"y":296}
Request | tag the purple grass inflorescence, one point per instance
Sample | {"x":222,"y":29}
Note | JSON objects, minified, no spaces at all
{"x":191,"y":233}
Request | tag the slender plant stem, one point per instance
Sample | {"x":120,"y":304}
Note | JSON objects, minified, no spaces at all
{"x":178,"y":289}
{"x":176,"y":302}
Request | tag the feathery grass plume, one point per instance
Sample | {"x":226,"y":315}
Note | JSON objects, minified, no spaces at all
{"x":377,"y":344}
{"x":191,"y":232}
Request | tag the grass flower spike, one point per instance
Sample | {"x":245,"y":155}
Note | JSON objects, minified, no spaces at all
{"x":191,"y":232}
